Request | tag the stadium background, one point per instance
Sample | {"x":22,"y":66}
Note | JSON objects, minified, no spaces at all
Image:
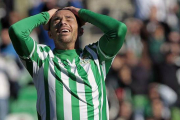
{"x":144,"y":81}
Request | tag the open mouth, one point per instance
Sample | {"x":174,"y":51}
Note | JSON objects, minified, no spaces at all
{"x":64,"y":30}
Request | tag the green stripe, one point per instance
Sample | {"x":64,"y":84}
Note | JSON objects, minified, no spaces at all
{"x":98,"y":80}
{"x":46,"y":68}
{"x":44,"y":49}
{"x":35,"y":57}
{"x":59,"y":91}
{"x":97,"y":77}
{"x":88,"y":91}
{"x":74,"y":96}
{"x":104,"y":114}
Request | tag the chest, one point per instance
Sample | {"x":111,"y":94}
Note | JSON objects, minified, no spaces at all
{"x":81,"y":72}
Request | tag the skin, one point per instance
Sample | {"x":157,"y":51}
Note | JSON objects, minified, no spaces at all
{"x":60,"y":20}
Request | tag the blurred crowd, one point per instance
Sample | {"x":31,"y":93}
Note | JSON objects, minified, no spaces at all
{"x":144,"y":80}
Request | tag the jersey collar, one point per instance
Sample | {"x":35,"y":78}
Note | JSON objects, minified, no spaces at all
{"x":67,"y":54}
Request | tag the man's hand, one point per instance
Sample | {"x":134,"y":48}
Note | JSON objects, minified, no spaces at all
{"x":72,"y":9}
{"x":51,"y":13}
{"x":75,"y":11}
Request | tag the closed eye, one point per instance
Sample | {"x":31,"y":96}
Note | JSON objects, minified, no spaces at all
{"x":69,"y":17}
{"x":56,"y":20}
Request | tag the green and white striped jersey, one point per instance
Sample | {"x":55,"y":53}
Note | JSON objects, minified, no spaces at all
{"x":70,"y":83}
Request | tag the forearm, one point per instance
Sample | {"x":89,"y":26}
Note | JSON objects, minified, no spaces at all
{"x":105,"y":23}
{"x":20,"y":31}
{"x":114,"y":30}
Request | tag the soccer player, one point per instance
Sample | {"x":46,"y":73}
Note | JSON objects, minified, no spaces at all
{"x":70,"y":82}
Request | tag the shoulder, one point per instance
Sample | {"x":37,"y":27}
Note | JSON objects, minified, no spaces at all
{"x":44,"y":51}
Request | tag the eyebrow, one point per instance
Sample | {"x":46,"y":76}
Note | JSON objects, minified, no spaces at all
{"x":56,"y":18}
{"x":69,"y":16}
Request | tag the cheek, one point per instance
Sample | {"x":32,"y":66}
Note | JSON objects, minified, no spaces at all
{"x":75,"y":30}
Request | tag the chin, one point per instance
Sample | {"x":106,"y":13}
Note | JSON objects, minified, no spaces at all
{"x":65,"y":40}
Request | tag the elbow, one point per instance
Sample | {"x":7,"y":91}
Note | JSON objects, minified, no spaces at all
{"x":122,"y":30}
{"x":13,"y":31}
{"x":120,"y":35}
{"x":123,"y":27}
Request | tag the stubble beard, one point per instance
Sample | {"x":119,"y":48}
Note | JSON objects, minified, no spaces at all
{"x":64,"y":40}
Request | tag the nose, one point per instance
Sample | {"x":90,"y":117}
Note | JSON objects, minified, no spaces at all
{"x":63,"y":21}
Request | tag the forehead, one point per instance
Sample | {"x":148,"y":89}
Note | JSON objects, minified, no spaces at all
{"x":64,"y":13}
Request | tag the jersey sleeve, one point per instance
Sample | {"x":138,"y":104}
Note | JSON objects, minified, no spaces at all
{"x":114,"y":32}
{"x":111,"y":42}
{"x":27,"y":49}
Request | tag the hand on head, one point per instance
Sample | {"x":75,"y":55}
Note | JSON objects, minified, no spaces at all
{"x":51,"y":13}
{"x":72,"y":9}
{"x":75,"y":11}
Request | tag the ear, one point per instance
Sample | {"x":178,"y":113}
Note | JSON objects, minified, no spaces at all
{"x":50,"y":35}
{"x":81,"y":31}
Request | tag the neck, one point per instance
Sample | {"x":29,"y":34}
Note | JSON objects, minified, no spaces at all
{"x":67,"y":46}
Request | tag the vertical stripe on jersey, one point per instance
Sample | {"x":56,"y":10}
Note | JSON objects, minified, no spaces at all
{"x":104,"y":69}
{"x":40,"y":86}
{"x":95,"y":89}
{"x":66,"y":95}
{"x":74,"y":97}
{"x":88,"y":91}
{"x":59,"y":90}
{"x":81,"y":94}
{"x":46,"y":66}
{"x":52,"y":91}
{"x":99,"y":83}
{"x":107,"y":108}
{"x":104,"y":114}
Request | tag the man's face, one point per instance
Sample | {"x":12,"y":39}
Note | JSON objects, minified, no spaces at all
{"x":64,"y":27}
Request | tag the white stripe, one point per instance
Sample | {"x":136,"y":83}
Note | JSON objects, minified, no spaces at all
{"x":97,"y":63}
{"x":39,"y":84}
{"x":95,"y":57}
{"x":66,"y":94}
{"x":80,"y":93}
{"x":107,"y":108}
{"x":52,"y":90}
{"x":42,"y":55}
{"x":101,"y":98}
{"x":95,"y":92}
{"x":104,"y":69}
